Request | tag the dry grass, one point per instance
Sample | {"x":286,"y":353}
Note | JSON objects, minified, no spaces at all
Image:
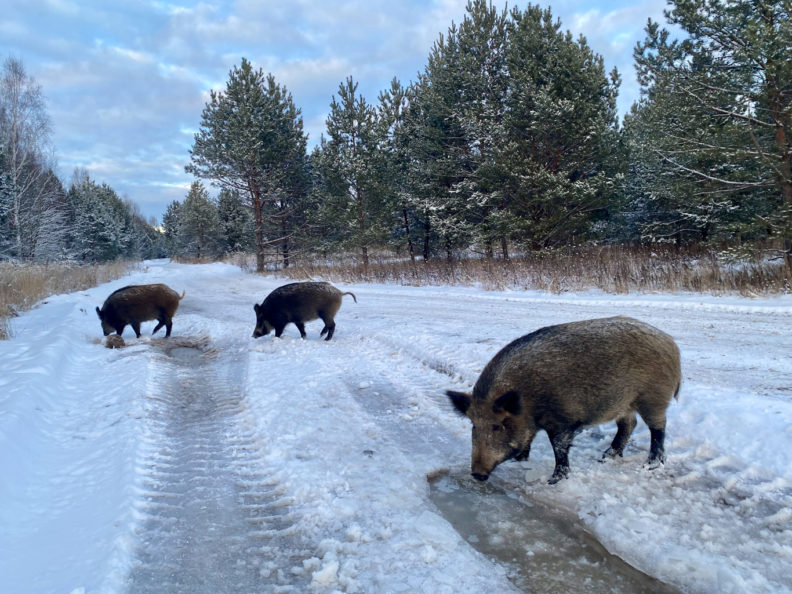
{"x":24,"y":285}
{"x":613,"y":269}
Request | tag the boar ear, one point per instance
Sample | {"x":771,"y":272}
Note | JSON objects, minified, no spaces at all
{"x":98,"y":312}
{"x":460,"y":400}
{"x":256,"y":307}
{"x":508,"y":402}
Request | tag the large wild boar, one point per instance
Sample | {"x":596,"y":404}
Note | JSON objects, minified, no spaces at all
{"x":566,"y":377}
{"x":139,"y":303}
{"x":298,"y":303}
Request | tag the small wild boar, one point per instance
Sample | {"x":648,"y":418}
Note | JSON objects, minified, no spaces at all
{"x":299,"y":303}
{"x":566,"y":377}
{"x":139,"y":303}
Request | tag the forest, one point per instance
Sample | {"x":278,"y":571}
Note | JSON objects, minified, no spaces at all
{"x":508,"y":144}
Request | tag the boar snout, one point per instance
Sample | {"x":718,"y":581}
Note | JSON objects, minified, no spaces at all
{"x":479,"y":476}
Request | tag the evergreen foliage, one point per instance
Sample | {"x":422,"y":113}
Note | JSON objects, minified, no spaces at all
{"x":561,"y":150}
{"x":511,"y":134}
{"x":199,"y":229}
{"x":236,"y":223}
{"x":713,"y":132}
{"x":348,"y":162}
{"x":103,"y":227}
{"x":251,"y":140}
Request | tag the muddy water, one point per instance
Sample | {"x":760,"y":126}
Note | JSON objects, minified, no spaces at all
{"x":543,"y":552}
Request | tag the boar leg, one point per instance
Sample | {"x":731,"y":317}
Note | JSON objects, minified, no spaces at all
{"x":136,"y":328}
{"x":168,"y":326}
{"x":301,"y":328}
{"x":656,"y":449}
{"x":625,"y":427}
{"x":656,"y":420}
{"x":329,"y":326}
{"x":561,"y":442}
{"x":159,"y":325}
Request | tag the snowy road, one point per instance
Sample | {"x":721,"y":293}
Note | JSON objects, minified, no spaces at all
{"x":215,"y":462}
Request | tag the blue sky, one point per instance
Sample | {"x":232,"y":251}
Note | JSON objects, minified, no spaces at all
{"x":125,"y":82}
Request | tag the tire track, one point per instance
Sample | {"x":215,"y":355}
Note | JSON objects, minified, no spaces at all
{"x":209,"y":517}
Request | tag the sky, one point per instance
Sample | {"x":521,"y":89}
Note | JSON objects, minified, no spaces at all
{"x":211,"y":461}
{"x":125,"y":82}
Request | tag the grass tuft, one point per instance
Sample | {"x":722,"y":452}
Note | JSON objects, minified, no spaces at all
{"x":612,"y":269}
{"x":24,"y":285}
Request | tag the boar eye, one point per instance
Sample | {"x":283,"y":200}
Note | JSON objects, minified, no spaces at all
{"x":496,"y":427}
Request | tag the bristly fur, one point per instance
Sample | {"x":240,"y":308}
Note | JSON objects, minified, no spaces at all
{"x":134,"y":304}
{"x":565,"y":377}
{"x":298,"y":303}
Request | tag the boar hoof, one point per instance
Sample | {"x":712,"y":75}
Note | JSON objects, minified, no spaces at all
{"x":561,"y":472}
{"x":611,"y":453}
{"x":655,"y":462}
{"x":479,"y":477}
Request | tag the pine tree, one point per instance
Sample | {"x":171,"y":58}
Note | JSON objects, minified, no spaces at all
{"x":199,"y":223}
{"x":102,"y":226}
{"x":561,"y":146}
{"x":484,"y":79}
{"x":349,"y":163}
{"x":236,"y":222}
{"x":437,"y":151}
{"x":171,"y":223}
{"x":716,"y":117}
{"x":392,"y":166}
{"x":251,"y":140}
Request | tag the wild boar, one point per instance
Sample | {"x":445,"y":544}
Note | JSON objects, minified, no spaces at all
{"x":566,"y":377}
{"x":298,"y":303}
{"x":139,"y":303}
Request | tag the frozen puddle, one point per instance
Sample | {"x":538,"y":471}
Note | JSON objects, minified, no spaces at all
{"x":210,"y":518}
{"x":543,"y":552}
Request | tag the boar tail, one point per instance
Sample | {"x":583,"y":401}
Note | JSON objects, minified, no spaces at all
{"x":676,"y":392}
{"x":182,"y":295}
{"x":348,"y":293}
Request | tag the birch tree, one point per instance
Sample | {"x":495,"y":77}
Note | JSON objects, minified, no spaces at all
{"x":32,"y":198}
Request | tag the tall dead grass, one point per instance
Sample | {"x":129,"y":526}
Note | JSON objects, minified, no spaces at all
{"x":613,"y":269}
{"x":24,"y":285}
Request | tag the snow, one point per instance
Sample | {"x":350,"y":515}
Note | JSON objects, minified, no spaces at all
{"x":215,"y":460}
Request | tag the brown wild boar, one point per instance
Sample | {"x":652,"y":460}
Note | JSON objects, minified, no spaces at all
{"x":139,"y":303}
{"x":566,"y":377}
{"x":298,"y":303}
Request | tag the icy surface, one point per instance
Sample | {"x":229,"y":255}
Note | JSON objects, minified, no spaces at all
{"x":217,"y":462}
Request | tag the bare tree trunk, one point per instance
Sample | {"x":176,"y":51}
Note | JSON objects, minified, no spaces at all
{"x":427,"y":228}
{"x":409,"y":238}
{"x":785,"y":169}
{"x":285,"y":244}
{"x":258,"y":212}
{"x":362,"y":230}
